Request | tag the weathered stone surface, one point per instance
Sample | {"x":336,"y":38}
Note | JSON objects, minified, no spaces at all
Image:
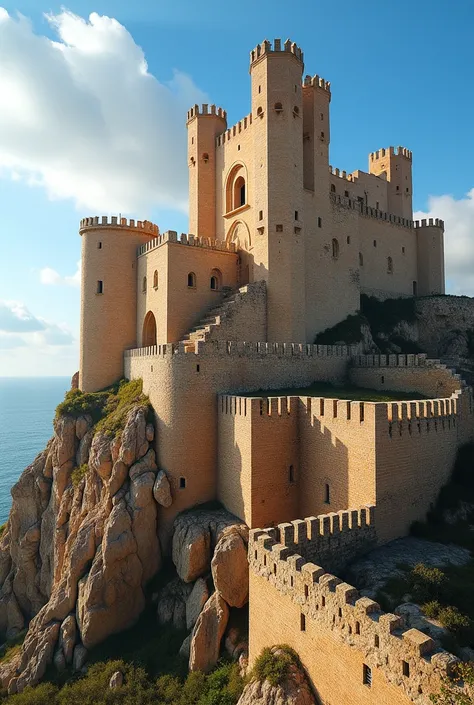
{"x":172,"y":603}
{"x":230,"y":569}
{"x":118,"y":477}
{"x":68,"y":637}
{"x":82,"y":455}
{"x":150,"y":432}
{"x":79,"y":658}
{"x":236,"y":644}
{"x":207,"y":634}
{"x":294,"y":690}
{"x":193,"y":534}
{"x":415,"y":619}
{"x":59,"y":661}
{"x":196,"y":601}
{"x":146,"y":464}
{"x":162,"y":490}
{"x":133,"y":436}
{"x":116,"y":680}
{"x":185,"y":648}
{"x":100,"y":457}
{"x":83,"y":424}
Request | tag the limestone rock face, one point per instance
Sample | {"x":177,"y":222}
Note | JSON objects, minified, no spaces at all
{"x":162,"y":490}
{"x":194,"y":533}
{"x":294,"y":690}
{"x":75,"y":556}
{"x":196,"y":601}
{"x":207,"y":634}
{"x":230,"y":569}
{"x":172,"y":603}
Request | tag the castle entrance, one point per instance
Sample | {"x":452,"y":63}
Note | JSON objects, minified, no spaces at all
{"x":149,"y":330}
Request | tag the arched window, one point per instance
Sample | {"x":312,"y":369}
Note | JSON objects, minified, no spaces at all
{"x":335,"y":248}
{"x":191,"y":280}
{"x":389,"y":265}
{"x":215,"y":280}
{"x":278,"y":107}
{"x":361,"y":259}
{"x":296,"y":110}
{"x":260,"y":112}
{"x":205,"y":157}
{"x":239,"y":192}
{"x":155,"y":279}
{"x":333,"y":188}
{"x":144,"y":284}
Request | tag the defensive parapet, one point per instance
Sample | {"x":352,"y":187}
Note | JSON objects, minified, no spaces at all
{"x":391,"y":151}
{"x":317,"y":82}
{"x":429,"y":223}
{"x":235,"y":130}
{"x":342,"y":174}
{"x":368,"y":212}
{"x":243,"y":349}
{"x":183,"y":239}
{"x":408,"y":658}
{"x":104,"y":221}
{"x":205,"y":109}
{"x":266,"y":47}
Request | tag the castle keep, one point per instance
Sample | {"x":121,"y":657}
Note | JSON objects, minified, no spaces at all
{"x":281,"y":246}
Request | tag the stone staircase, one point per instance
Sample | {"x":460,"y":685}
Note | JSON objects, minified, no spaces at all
{"x":213,"y":318}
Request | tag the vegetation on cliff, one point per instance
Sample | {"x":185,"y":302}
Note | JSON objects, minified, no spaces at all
{"x":274,"y":664}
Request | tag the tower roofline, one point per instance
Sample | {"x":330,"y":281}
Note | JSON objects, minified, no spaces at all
{"x":266,"y":47}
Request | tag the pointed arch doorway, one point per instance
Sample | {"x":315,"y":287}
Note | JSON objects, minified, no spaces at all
{"x":149,"y":330}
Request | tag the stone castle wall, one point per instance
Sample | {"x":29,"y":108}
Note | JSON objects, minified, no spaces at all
{"x":337,"y":633}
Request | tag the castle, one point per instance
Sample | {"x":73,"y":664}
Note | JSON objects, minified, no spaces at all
{"x":282,"y":246}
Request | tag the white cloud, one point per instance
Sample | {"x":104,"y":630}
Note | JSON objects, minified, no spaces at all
{"x":17,"y":324}
{"x":458,"y":216}
{"x":83,"y":117}
{"x":50,"y":276}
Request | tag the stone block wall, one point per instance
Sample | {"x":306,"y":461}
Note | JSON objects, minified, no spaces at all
{"x":337,"y":633}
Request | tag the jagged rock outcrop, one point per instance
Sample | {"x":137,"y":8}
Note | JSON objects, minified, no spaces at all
{"x":196,"y":601}
{"x":229,"y":566}
{"x":207,"y":634}
{"x":172,"y":603}
{"x":80,"y":544}
{"x":294,"y":689}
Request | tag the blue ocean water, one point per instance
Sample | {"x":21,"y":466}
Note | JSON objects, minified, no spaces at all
{"x":27,"y":406}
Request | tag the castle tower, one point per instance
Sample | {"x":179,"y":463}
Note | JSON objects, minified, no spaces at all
{"x":204,"y":125}
{"x":277,"y":112}
{"x":430,"y":257}
{"x":108,"y":296}
{"x":395,"y":166}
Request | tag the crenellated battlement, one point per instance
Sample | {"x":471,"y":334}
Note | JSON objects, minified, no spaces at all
{"x":235,"y":130}
{"x":206,"y":110}
{"x":267,"y":47}
{"x":183,"y":239}
{"x":117,"y":222}
{"x":340,"y":173}
{"x":408,"y":658}
{"x":429,"y":223}
{"x":394,"y":151}
{"x":243,"y":349}
{"x":368,"y":212}
{"x":317,"y":82}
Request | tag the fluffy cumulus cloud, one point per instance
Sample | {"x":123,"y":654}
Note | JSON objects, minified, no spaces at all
{"x":82,"y":117}
{"x":458,"y":216}
{"x":50,"y":276}
{"x":20,"y":328}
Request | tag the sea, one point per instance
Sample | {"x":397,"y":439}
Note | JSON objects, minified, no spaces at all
{"x":27,"y":406}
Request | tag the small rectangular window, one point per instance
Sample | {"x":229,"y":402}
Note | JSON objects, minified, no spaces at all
{"x":296,"y":215}
{"x":375,"y":243}
{"x":346,"y":194}
{"x":99,"y":245}
{"x":376,"y":641}
{"x":320,"y":222}
{"x":279,"y":228}
{"x":377,"y":205}
{"x":291,"y":474}
{"x":260,"y":215}
{"x":100,"y":287}
{"x":302,"y":623}
{"x":348,"y":240}
{"x":367,"y":676}
{"x":406,"y":669}
{"x":357,"y":627}
{"x":327,"y":496}
{"x":182,"y":483}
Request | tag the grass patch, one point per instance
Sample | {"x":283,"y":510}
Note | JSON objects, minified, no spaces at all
{"x":330,"y":391}
{"x":78,"y":473}
{"x":11,"y":647}
{"x":274,"y":667}
{"x":2,"y":529}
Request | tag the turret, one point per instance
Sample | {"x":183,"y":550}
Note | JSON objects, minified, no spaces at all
{"x":395,"y":166}
{"x":204,"y":124}
{"x":108,"y":296}
{"x":277,"y":113}
{"x":316,"y":135}
{"x":430,"y":257}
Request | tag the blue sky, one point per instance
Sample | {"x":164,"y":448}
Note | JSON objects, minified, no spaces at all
{"x":86,"y":127}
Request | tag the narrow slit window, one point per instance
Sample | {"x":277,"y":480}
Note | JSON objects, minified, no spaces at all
{"x":406,"y":669}
{"x":327,"y":494}
{"x":182,"y":483}
{"x":191,"y":280}
{"x":291,"y":474}
{"x":99,"y":245}
{"x":367,"y":676}
{"x":302,"y":622}
{"x":100,"y":287}
{"x":144,"y":285}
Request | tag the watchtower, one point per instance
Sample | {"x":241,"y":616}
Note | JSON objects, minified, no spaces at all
{"x":277,"y":112}
{"x":395,"y":165}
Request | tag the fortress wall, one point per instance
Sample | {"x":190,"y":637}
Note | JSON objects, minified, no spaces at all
{"x":337,"y":440}
{"x":183,"y":390}
{"x":336,"y":632}
{"x":404,"y":373}
{"x":245,"y":318}
{"x":258,"y":458}
{"x":155,"y":300}
{"x":416,"y":446}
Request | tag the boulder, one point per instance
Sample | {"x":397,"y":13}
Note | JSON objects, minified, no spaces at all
{"x":100,"y":456}
{"x":172,"y":603}
{"x":116,"y":680}
{"x":68,"y":637}
{"x":79,"y":658}
{"x":134,"y":436}
{"x":150,"y":432}
{"x":162,"y":490}
{"x":294,"y":690}
{"x":230,"y":569}
{"x":83,"y":424}
{"x":118,"y":477}
{"x":196,"y":601}
{"x":146,"y":464}
{"x":207,"y":634}
{"x":82,"y":455}
{"x":59,"y":661}
{"x":185,"y":648}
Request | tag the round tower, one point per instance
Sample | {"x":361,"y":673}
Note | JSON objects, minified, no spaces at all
{"x":108,"y":296}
